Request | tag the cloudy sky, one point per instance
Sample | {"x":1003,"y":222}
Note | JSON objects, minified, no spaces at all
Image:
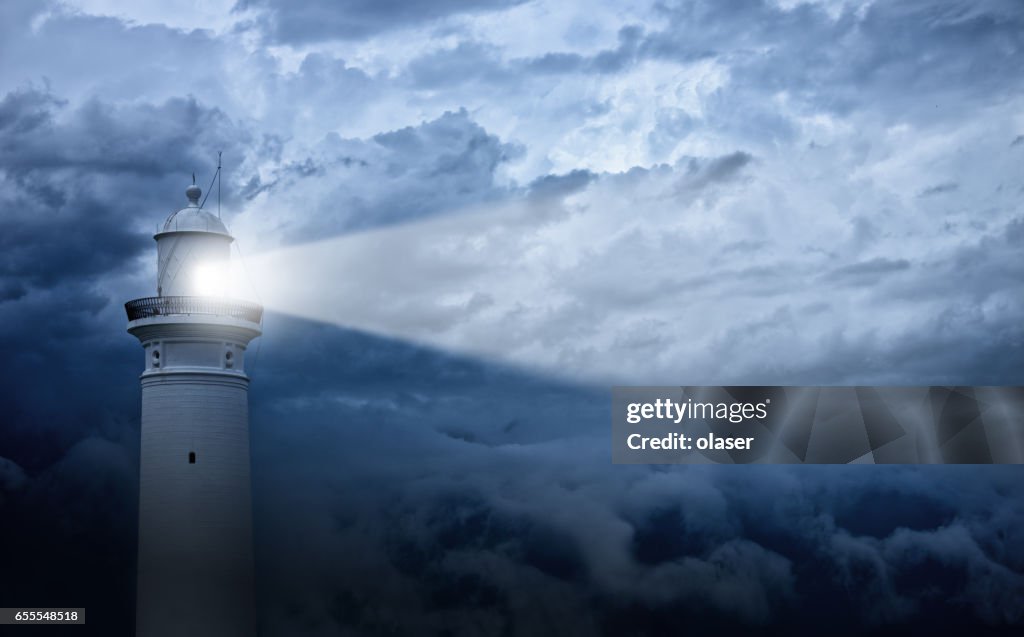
{"x":469,"y":217}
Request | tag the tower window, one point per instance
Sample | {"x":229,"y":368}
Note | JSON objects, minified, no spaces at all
{"x":191,"y":457}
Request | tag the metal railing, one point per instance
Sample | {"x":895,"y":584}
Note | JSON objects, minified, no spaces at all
{"x":163,"y":305}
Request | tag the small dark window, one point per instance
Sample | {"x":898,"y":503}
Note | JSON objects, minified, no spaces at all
{"x":191,"y":457}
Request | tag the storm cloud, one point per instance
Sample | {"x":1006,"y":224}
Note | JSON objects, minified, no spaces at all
{"x":312,"y":20}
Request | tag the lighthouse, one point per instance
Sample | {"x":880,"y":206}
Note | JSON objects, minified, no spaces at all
{"x":195,"y":569}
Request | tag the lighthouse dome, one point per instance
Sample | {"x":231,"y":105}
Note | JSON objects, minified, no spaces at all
{"x":192,"y":218}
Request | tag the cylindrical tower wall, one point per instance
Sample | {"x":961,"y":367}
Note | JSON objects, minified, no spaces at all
{"x":195,"y":572}
{"x":195,"y":512}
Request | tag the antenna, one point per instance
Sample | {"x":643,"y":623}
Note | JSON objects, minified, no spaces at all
{"x":216,"y":177}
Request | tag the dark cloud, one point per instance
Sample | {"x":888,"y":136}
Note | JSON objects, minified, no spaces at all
{"x":356,"y":472}
{"x":939,"y":189}
{"x":868,"y":272}
{"x":317,"y":20}
{"x":556,"y":63}
{"x":321,"y":75}
{"x":619,"y":58}
{"x":698,"y":173}
{"x":82,"y":56}
{"x":919,"y":55}
{"x":477,"y":62}
{"x":467,"y":62}
{"x":78,"y":181}
{"x":1015,"y":231}
{"x":25,"y":110}
{"x":466,"y":537}
{"x":899,"y":60}
{"x":440,"y":166}
{"x":561,"y":185}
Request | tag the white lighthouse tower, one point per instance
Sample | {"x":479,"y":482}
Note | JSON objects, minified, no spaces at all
{"x":195,"y":572}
